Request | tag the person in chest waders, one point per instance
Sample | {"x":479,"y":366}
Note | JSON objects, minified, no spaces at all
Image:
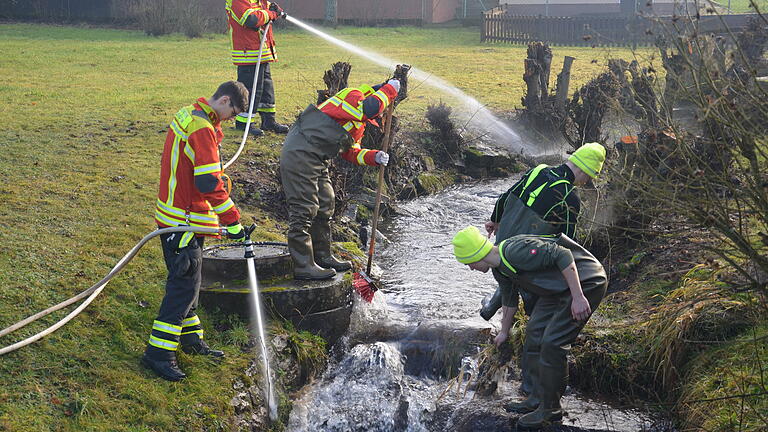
{"x":569,"y":282}
{"x":543,"y":202}
{"x":321,"y":132}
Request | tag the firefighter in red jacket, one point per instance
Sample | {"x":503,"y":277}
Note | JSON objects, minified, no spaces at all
{"x":319,"y":134}
{"x":247,"y":19}
{"x":191,"y":194}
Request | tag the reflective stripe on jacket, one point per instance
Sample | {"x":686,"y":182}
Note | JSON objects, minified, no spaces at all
{"x":245,"y":41}
{"x":191,"y":158}
{"x":550,"y":193}
{"x":346,"y":108}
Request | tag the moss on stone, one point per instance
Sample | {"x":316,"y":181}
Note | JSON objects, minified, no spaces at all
{"x":435,"y":181}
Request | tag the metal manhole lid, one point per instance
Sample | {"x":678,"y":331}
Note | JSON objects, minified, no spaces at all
{"x":230,"y":252}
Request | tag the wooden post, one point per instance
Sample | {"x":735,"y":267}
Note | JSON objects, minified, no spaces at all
{"x":563,"y":82}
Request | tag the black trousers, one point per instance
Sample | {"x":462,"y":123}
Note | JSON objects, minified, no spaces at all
{"x":182,"y":289}
{"x":265,"y":89}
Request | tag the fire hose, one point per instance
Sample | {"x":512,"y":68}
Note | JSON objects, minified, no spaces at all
{"x":92,"y":292}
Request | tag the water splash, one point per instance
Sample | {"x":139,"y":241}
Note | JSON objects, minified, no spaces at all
{"x":481,"y":117}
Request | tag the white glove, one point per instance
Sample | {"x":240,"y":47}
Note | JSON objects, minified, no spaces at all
{"x":394,"y":83}
{"x":382,"y":158}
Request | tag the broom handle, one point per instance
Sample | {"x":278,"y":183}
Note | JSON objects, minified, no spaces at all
{"x":384,"y":148}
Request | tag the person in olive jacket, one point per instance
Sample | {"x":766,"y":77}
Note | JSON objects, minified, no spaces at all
{"x":570,"y":283}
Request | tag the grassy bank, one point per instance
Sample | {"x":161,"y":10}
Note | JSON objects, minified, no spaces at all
{"x":85,"y":112}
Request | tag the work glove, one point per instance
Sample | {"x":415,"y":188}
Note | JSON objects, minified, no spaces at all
{"x":395,"y":83}
{"x":236,"y":232}
{"x":274,"y":7}
{"x":381,"y":158}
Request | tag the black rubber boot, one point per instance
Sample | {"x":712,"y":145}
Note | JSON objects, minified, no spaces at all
{"x":321,"y":244}
{"x":304,"y":266}
{"x":166,"y":369}
{"x":202,"y":348}
{"x":268,"y":123}
{"x":253,"y":131}
{"x":523,"y":407}
{"x":491,"y":305}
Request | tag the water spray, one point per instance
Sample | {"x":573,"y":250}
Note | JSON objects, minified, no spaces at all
{"x":258,"y":325}
{"x":482,"y":117}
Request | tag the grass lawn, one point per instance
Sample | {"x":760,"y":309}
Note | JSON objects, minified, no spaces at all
{"x":744,"y":6}
{"x":85,"y":112}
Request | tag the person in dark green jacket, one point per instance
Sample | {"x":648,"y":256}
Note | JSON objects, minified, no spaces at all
{"x":544,"y":201}
{"x":569,"y":282}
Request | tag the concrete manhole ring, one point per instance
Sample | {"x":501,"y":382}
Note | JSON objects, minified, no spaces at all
{"x":225,"y":264}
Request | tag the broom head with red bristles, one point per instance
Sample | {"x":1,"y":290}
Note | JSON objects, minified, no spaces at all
{"x":364,"y":285}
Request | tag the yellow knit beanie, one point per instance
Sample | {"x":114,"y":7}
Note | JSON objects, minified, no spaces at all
{"x":589,"y":158}
{"x":470,"y":246}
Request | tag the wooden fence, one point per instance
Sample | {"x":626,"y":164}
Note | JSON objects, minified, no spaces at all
{"x":619,"y":30}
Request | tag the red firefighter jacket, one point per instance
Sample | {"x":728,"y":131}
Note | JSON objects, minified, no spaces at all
{"x":245,"y":40}
{"x":191,"y":190}
{"x":346,"y":107}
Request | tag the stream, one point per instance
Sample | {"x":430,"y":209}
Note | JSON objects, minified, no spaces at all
{"x":393,"y":366}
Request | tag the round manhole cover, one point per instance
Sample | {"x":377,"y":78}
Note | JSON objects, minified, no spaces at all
{"x":224,"y":265}
{"x":238,"y":252}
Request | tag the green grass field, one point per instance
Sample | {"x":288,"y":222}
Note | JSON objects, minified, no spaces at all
{"x":85,"y":112}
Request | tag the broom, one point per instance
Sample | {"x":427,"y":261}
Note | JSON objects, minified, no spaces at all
{"x":364,"y":285}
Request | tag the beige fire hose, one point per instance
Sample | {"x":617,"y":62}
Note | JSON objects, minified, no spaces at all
{"x":93,"y":291}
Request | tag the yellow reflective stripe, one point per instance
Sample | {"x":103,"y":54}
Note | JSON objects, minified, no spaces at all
{"x":354,"y":112}
{"x":504,"y":260}
{"x":193,"y":216}
{"x":239,"y":20}
{"x":207,"y":169}
{"x":335,"y":101}
{"x":383,"y":98}
{"x":535,"y":194}
{"x":185,"y":239}
{"x":266,"y":17}
{"x":348,"y":126}
{"x":168,"y":220}
{"x":226,"y":205}
{"x":178,"y":130}
{"x":361,"y":157}
{"x":199,"y":332}
{"x":190,"y":153}
{"x":174,"y":166}
{"x":534,"y":173}
{"x":167,"y":328}
{"x":189,"y":322}
{"x":163,"y":344}
{"x":553,"y":184}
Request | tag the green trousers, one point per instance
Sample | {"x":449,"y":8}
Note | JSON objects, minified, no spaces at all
{"x":549,"y":334}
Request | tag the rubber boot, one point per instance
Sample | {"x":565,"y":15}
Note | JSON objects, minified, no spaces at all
{"x":253,"y":131}
{"x":165,"y":369}
{"x":268,"y":123}
{"x":551,"y":385}
{"x":304,"y":267}
{"x":528,"y":367}
{"x":321,"y":242}
{"x":202,"y":348}
{"x":491,"y":305}
{"x":523,"y":407}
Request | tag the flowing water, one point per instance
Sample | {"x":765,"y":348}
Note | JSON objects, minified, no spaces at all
{"x":425,"y":321}
{"x":392,"y":366}
{"x":479,"y":116}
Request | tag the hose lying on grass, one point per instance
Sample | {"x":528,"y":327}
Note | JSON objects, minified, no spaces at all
{"x":91,"y":292}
